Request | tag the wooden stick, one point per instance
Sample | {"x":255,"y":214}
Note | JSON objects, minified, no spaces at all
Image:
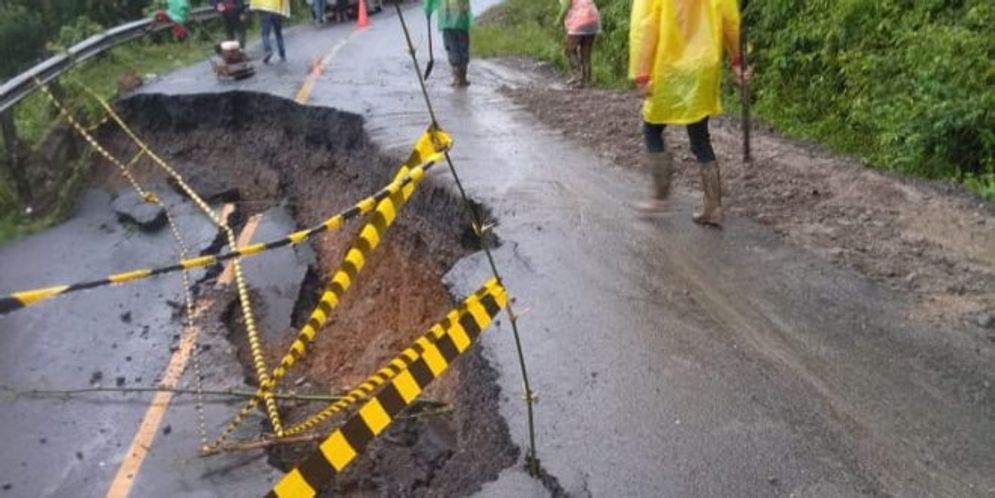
{"x":744,"y":87}
{"x":327,"y":398}
{"x":259,"y":444}
{"x":303,"y":438}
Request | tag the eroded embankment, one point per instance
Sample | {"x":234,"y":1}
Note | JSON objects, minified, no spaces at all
{"x":261,"y":151}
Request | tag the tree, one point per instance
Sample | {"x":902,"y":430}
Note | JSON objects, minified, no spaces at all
{"x":22,"y":39}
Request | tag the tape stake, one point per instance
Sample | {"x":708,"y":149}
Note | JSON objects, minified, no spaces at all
{"x":437,"y":335}
{"x":342,"y":447}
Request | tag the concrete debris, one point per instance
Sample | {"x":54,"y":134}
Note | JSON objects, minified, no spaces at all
{"x":131,"y":208}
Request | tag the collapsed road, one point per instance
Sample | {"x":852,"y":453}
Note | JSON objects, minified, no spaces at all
{"x":668,"y":360}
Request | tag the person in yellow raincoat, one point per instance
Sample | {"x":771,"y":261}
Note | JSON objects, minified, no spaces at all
{"x":271,"y":15}
{"x":676,"y":53}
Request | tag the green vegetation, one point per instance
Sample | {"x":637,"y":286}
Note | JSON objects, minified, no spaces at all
{"x":907,"y":85}
{"x":31,"y":29}
{"x":34,"y":116}
{"x":529,"y":28}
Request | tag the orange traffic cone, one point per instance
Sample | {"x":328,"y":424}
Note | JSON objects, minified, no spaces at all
{"x":362,"y":21}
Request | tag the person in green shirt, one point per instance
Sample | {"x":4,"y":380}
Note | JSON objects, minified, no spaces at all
{"x":454,"y":22}
{"x":174,"y":12}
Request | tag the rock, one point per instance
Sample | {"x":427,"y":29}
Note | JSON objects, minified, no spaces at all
{"x":129,"y":82}
{"x":985,"y":320}
{"x":96,"y":377}
{"x":119,"y":382}
{"x":167,"y":430}
{"x":131,"y":208}
{"x":126,"y":317}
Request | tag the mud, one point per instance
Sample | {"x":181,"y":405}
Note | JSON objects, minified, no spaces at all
{"x":54,"y":173}
{"x":932,"y":240}
{"x":258,"y":152}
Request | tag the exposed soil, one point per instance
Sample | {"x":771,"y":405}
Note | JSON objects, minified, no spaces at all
{"x":932,"y":240}
{"x":319,"y":162}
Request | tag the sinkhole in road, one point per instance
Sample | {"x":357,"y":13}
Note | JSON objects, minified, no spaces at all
{"x":261,"y":152}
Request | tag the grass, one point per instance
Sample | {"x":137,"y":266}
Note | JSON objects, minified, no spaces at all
{"x":35,"y":115}
{"x":526,"y":28}
{"x":524,"y":39}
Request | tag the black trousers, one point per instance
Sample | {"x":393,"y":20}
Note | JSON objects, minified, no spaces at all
{"x":701,"y":140}
{"x":235,"y":28}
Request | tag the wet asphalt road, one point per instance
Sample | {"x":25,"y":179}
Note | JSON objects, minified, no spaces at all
{"x":116,"y":337}
{"x":669,"y":360}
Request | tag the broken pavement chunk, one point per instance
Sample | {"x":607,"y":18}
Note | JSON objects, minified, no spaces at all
{"x":132,"y":208}
{"x":207,"y":187}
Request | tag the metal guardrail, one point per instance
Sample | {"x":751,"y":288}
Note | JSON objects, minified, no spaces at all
{"x":22,"y":85}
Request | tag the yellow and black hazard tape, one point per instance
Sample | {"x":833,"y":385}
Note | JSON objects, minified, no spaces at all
{"x":345,"y":444}
{"x":421,"y":161}
{"x":472,"y":305}
{"x":431,"y":144}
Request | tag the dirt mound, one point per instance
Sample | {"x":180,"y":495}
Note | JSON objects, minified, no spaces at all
{"x":317,"y":162}
{"x":930,"y":239}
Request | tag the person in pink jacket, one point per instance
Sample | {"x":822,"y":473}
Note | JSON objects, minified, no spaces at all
{"x":582,"y":22}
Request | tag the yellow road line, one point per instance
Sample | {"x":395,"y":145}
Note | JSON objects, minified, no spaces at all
{"x":124,"y":479}
{"x":243,"y":240}
{"x":304,"y":94}
{"x":139,"y":449}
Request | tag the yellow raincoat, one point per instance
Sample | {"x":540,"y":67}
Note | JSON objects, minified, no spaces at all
{"x":677,"y":46}
{"x":281,"y":7}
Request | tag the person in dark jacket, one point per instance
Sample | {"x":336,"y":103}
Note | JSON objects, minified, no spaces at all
{"x":233,"y":12}
{"x":341,"y":10}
